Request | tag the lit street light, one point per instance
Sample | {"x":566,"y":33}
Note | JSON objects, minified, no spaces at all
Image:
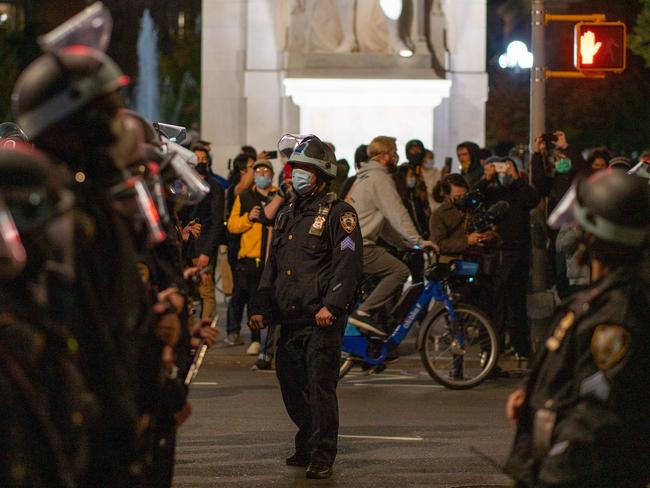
{"x":516,"y":56}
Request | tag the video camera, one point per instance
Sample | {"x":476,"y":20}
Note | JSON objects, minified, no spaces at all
{"x":481,"y":219}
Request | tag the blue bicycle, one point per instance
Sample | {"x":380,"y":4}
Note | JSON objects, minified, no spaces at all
{"x":457,"y":343}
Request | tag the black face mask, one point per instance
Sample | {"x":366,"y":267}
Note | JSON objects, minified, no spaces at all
{"x":416,"y":159}
{"x":202,"y":169}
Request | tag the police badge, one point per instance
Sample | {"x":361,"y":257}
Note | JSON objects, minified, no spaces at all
{"x":609,"y":345}
{"x":348,"y":222}
{"x":318,"y":226}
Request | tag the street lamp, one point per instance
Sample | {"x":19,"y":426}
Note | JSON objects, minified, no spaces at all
{"x":516,"y":56}
{"x":12,"y":15}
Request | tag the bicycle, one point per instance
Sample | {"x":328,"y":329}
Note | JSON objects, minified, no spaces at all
{"x":457,"y":343}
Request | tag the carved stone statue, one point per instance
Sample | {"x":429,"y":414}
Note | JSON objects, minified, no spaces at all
{"x":344,"y":26}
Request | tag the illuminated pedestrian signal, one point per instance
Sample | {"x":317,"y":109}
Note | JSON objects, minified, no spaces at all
{"x":600,"y":46}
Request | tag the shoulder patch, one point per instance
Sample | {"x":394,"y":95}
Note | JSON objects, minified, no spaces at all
{"x":609,"y":345}
{"x":348,"y":221}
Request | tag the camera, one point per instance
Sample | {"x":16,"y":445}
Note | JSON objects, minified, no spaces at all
{"x":549,"y":139}
{"x":481,"y":219}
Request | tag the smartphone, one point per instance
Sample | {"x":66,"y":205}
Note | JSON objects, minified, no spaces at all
{"x":500,"y":167}
{"x":194,"y":221}
{"x":448,"y":162}
{"x":272,"y":154}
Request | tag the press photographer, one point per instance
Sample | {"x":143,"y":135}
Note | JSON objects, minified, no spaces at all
{"x":503,"y":182}
{"x":453,"y":225}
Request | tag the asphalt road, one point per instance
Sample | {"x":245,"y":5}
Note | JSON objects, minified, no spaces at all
{"x":398,"y":429}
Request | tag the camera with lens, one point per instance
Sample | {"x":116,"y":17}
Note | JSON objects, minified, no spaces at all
{"x":549,"y":140}
{"x":481,"y":218}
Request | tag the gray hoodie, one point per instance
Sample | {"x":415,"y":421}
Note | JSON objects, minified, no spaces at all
{"x":379,"y":207}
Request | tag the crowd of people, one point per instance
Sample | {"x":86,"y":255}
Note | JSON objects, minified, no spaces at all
{"x":112,"y":230}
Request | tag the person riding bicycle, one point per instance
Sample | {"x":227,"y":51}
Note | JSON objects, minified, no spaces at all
{"x":381,"y":214}
{"x":582,"y":417}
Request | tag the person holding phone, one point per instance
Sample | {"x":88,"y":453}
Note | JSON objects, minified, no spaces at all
{"x":249,"y":221}
{"x":203,"y":225}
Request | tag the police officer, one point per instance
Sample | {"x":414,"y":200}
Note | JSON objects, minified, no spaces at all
{"x":583,"y":417}
{"x":307,"y":287}
{"x":67,"y":103}
{"x":46,"y":409}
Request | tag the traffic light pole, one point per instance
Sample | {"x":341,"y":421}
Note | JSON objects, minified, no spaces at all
{"x":539,"y":294}
{"x":537,"y":73}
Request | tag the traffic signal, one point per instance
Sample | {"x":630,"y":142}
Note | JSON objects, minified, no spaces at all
{"x":600,"y":46}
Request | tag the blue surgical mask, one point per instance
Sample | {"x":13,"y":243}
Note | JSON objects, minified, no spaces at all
{"x":263,"y":181}
{"x":301,"y":181}
{"x":410,"y":182}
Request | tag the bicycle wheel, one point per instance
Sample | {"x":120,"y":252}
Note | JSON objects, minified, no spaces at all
{"x":451,"y":363}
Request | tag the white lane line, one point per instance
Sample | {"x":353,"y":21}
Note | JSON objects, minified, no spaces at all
{"x":384,"y":385}
{"x":381,"y":378}
{"x":204,"y":383}
{"x":381,"y":437}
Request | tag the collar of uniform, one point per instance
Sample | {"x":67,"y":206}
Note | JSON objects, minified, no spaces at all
{"x":312,"y":202}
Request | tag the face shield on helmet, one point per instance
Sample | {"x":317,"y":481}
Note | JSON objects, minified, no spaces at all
{"x":12,"y":251}
{"x":133,"y":199}
{"x":574,"y":209}
{"x":175,"y":133}
{"x":642,"y":170}
{"x":36,"y":221}
{"x":309,"y":150}
{"x":288,"y":143}
{"x":91,"y":27}
{"x":187,"y":187}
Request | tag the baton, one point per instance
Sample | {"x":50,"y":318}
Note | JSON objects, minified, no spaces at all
{"x":199,"y":356}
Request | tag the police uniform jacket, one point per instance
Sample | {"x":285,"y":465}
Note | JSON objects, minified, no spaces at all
{"x":586,"y":417}
{"x":310,"y":267}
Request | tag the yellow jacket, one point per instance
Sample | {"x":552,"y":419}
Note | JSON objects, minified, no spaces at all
{"x":251,"y":232}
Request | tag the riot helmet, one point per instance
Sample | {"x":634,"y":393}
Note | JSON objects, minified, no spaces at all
{"x":10,"y":135}
{"x":36,"y":221}
{"x":612,"y":209}
{"x":61,"y":83}
{"x":309,"y":151}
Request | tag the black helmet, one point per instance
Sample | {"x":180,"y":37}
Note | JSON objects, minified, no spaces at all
{"x":311,"y":151}
{"x":11,"y":132}
{"x":611,"y":206}
{"x":32,"y":201}
{"x":62,"y":82}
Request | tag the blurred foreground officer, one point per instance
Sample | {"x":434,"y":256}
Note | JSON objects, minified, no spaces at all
{"x":583,"y":419}
{"x":45,"y":407}
{"x":308,"y":287}
{"x":67,"y":103}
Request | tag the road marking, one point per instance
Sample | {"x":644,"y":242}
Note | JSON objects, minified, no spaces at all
{"x":381,"y":437}
{"x":204,"y":383}
{"x":380,"y":378}
{"x":384,"y":385}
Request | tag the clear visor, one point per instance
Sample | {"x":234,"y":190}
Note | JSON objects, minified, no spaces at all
{"x":563,"y":213}
{"x":174,"y":133}
{"x":189,"y":188}
{"x":158,"y":192}
{"x":133,"y":199}
{"x":288,"y":143}
{"x":642,"y":170}
{"x":12,"y":252}
{"x":91,"y":27}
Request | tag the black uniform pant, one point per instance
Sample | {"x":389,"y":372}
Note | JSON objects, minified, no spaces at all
{"x":247,"y":278}
{"x":512,"y":288}
{"x":307,"y":366}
